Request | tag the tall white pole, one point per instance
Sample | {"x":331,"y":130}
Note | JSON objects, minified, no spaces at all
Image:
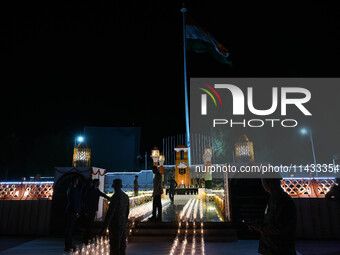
{"x":311,"y":140}
{"x":184,"y":10}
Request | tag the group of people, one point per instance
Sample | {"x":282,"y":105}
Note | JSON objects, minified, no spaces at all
{"x":81,"y":203}
{"x":277,"y":230}
{"x":84,"y":203}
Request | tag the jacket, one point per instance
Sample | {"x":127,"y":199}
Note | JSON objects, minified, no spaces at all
{"x":92,"y":198}
{"x":117,"y":215}
{"x":157,"y":184}
{"x":278,"y":230}
{"x":73,"y":200}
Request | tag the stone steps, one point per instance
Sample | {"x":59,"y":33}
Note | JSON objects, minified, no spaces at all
{"x":207,"y":225}
{"x":155,"y":231}
{"x":167,"y":231}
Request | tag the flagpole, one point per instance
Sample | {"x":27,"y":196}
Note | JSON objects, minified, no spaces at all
{"x":184,"y":10}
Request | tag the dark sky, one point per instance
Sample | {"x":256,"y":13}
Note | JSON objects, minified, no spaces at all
{"x":69,"y":65}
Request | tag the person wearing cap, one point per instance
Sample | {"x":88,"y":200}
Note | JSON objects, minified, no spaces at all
{"x":278,"y":230}
{"x":116,"y":219}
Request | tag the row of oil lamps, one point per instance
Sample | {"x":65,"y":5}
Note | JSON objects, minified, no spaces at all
{"x":190,"y":209}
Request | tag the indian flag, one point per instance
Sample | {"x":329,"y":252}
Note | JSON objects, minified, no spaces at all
{"x":199,"y":41}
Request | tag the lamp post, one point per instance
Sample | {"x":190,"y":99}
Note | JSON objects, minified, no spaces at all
{"x":161,"y":160}
{"x":207,"y":161}
{"x":155,"y":156}
{"x":305,"y":131}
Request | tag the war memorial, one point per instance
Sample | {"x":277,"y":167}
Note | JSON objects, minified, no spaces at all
{"x":148,"y":136}
{"x":208,"y":206}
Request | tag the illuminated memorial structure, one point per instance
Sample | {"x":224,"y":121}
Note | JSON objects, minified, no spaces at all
{"x":244,"y":150}
{"x":182,"y":171}
{"x":35,"y":198}
{"x":81,"y":155}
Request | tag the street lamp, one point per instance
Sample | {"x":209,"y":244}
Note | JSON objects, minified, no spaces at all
{"x":155,"y":156}
{"x":161,"y":160}
{"x":305,"y":131}
{"x":207,"y":155}
{"x":78,"y":139}
{"x":207,"y":162}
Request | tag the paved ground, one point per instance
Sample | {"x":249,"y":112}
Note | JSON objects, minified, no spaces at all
{"x":315,"y":247}
{"x":12,"y":241}
{"x":55,"y":245}
{"x":171,"y":214}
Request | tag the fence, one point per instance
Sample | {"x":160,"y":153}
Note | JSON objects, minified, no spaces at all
{"x":26,"y":190}
{"x":198,"y":143}
{"x":307,"y":188}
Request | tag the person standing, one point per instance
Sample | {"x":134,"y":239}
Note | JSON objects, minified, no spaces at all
{"x":173,"y":186}
{"x":278,"y":230}
{"x":334,"y":193}
{"x":91,"y":199}
{"x":157,"y":193}
{"x":116,"y":219}
{"x":136,"y":186}
{"x":86,"y":188}
{"x":73,"y":210}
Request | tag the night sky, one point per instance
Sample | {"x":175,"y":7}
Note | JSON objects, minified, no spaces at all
{"x":69,"y":65}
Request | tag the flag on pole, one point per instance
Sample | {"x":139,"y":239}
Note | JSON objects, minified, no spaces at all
{"x":199,"y":41}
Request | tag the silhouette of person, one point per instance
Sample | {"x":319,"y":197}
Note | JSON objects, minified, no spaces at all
{"x":157,"y":193}
{"x":85,"y":189}
{"x":91,"y":199}
{"x":334,"y":193}
{"x":73,"y":210}
{"x":37,"y":178}
{"x":278,"y":230}
{"x":173,"y":186}
{"x":136,"y":186}
{"x":116,"y":219}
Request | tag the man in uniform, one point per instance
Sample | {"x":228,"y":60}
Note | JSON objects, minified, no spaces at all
{"x":116,"y":219}
{"x":173,"y":186}
{"x":278,"y":230}
{"x":136,"y":186}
